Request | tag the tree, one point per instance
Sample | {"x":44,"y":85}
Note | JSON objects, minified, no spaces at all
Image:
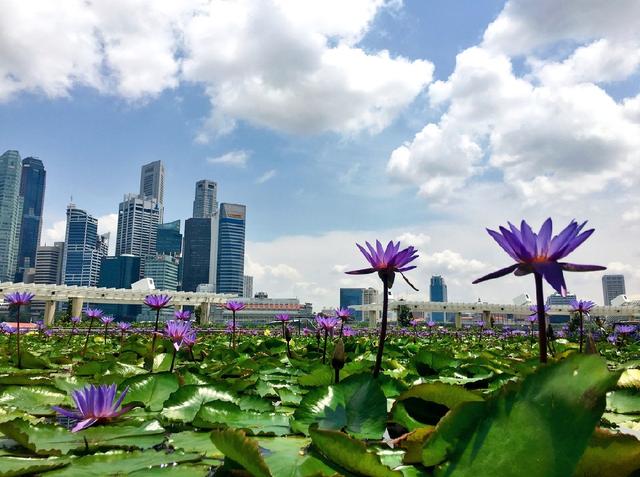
{"x":404,"y":315}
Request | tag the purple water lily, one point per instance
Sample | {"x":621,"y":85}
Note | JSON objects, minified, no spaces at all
{"x":123,"y":326}
{"x":106,"y":321}
{"x":282,"y":317}
{"x":347,"y":331}
{"x":92,"y":313}
{"x":184,"y":315}
{"x":581,"y":307}
{"x":386,"y":262}
{"x":95,"y":404}
{"x":326,"y":324}
{"x":233,"y":307}
{"x":157,"y":303}
{"x":76,"y":320}
{"x":16,"y":300}
{"x":177,"y":331}
{"x":534,"y":310}
{"x":625,"y":329}
{"x":539,"y":253}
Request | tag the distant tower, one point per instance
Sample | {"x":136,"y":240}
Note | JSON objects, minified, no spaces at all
{"x":10,"y":213}
{"x":437,"y":293}
{"x":169,"y":239}
{"x":612,"y":286}
{"x":32,"y":186}
{"x":49,"y":264}
{"x":231,"y":240}
{"x":138,"y":220}
{"x":200,"y":252}
{"x":83,"y":250}
{"x":247,"y":288}
{"x":205,"y":204}
{"x":152,"y":183}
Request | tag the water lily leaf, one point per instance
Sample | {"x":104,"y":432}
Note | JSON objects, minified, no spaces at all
{"x":151,"y":390}
{"x":236,"y":446}
{"x":120,"y":463}
{"x":609,"y":455}
{"x":429,"y":363}
{"x":623,"y":401}
{"x":184,"y":404}
{"x":539,"y":427}
{"x":217,"y":414}
{"x":32,"y":399}
{"x":349,"y":453}
{"x":630,"y":379}
{"x":356,"y":404}
{"x":293,"y":457}
{"x":47,"y":439}
{"x":181,"y":470}
{"x":190,"y":441}
{"x":11,"y":466}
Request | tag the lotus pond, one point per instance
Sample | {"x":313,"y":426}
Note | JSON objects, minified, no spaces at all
{"x":447,"y":403}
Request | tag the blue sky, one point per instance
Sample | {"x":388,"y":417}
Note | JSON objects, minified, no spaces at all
{"x":480,"y":112}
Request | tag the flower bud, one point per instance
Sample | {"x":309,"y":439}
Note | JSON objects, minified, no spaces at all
{"x":338,"y":355}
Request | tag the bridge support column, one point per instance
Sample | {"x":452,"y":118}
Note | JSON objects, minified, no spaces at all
{"x":458,"y":320}
{"x":76,"y":306}
{"x":487,"y":318}
{"x":49,"y":312}
{"x":373,"y":318}
{"x":205,"y":311}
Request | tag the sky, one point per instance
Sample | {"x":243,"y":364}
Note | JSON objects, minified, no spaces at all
{"x":335,"y":122}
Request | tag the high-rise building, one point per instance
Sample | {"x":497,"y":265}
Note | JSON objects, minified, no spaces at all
{"x":10,"y":213}
{"x":231,"y":239}
{"x":83,"y":250}
{"x":352,"y":296}
{"x":120,"y":272}
{"x":556,"y":299}
{"x":169,"y":239}
{"x":437,"y":293}
{"x":138,"y":220}
{"x":612,"y":286}
{"x":199,"y":255}
{"x":369,"y":297}
{"x":152,"y":181}
{"x":32,"y":186}
{"x":247,"y":287}
{"x":163,"y":269}
{"x":49,"y":264}
{"x":205,"y":204}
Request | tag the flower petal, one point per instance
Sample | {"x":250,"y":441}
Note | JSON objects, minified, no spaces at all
{"x":574,"y":267}
{"x":552,"y":273}
{"x":362,"y":271}
{"x":498,"y":273}
{"x":84,"y":424}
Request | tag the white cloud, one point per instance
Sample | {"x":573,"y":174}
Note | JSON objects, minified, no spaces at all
{"x":55,"y":231}
{"x":233,"y":158}
{"x":281,"y":64}
{"x":270,"y":174}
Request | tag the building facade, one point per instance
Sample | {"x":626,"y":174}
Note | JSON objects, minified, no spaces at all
{"x":152,"y":181}
{"x":205,"y":204}
{"x":169,"y":239}
{"x":247,"y":287}
{"x":10,"y":213}
{"x":32,"y":187}
{"x":260,"y":311}
{"x":352,"y":296}
{"x":556,"y":299}
{"x":120,"y":272}
{"x":138,"y":220}
{"x":612,"y":286}
{"x":199,"y":253}
{"x":84,"y":249}
{"x":438,"y":293}
{"x":49,"y":264}
{"x":163,"y":269}
{"x":231,"y":242}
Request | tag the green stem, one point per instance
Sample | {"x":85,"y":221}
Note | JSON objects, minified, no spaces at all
{"x":86,"y":341}
{"x":18,"y":338}
{"x":155,"y":334}
{"x":542,"y":326}
{"x":581,"y":329}
{"x":324,"y":351}
{"x":383,"y":329}
{"x":173,"y":359}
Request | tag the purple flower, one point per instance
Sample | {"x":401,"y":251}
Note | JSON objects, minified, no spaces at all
{"x":343,"y":313}
{"x":534,"y":310}
{"x":48,"y":332}
{"x":94,"y":312}
{"x":282,"y":317}
{"x":190,"y":339}
{"x":184,"y":315}
{"x":539,"y":253}
{"x":431,"y":324}
{"x":18,"y":299}
{"x":106,"y":320}
{"x":625,"y":329}
{"x":387,"y":261}
{"x":348,"y":331}
{"x":94,"y":404}
{"x":414,"y":323}
{"x":327,"y":324}
{"x":480,"y":323}
{"x":40,"y":325}
{"x":76,"y":320}
{"x":583,"y":306}
{"x":612,"y":338}
{"x":234,"y":305}
{"x":123,"y":326}
{"x":157,"y":302}
{"x":176,"y":332}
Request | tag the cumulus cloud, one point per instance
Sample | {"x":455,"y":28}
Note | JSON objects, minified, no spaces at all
{"x":267,"y":176}
{"x":55,"y":231}
{"x":281,"y":64}
{"x":233,"y":158}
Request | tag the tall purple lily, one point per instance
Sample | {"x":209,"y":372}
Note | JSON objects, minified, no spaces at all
{"x":17,"y":300}
{"x":92,"y":313}
{"x":106,"y":321}
{"x":326,"y":324}
{"x":343,"y":314}
{"x":123,"y":326}
{"x":184,"y":315}
{"x":157,"y":303}
{"x":94,"y":404}
{"x":177,"y":332}
{"x":234,"y":306}
{"x":282,"y":318}
{"x":582,"y":308}
{"x":540,"y":254}
{"x":386,"y":262}
{"x":75,"y":321}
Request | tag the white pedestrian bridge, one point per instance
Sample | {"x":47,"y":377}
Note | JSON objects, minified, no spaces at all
{"x":79,"y":296}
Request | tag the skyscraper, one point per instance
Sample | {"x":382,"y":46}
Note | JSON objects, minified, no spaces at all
{"x":205,"y":204}
{"x":10,"y":213}
{"x":32,"y":186}
{"x":231,"y":238}
{"x":49,"y":264}
{"x":352,"y":296}
{"x":612,"y":286}
{"x":120,"y":272}
{"x":199,"y":255}
{"x":169,"y":239}
{"x":138,"y":220}
{"x":247,"y":287}
{"x":163,"y":269}
{"x":83,"y":250}
{"x":152,"y":181}
{"x":437,"y":293}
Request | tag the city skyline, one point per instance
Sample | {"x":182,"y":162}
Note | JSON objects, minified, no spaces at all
{"x":461,"y":122}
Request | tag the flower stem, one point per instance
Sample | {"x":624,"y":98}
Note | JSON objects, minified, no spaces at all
{"x":155,"y":334}
{"x":233,"y":339}
{"x":383,"y":329}
{"x":18,"y":338}
{"x":542,"y":327}
{"x":173,"y":359}
{"x":105,"y":334}
{"x":324,"y":350}
{"x":86,"y":341}
{"x":581,"y":329}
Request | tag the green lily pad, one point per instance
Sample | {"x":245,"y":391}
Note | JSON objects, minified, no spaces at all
{"x":151,"y":390}
{"x":184,"y":404}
